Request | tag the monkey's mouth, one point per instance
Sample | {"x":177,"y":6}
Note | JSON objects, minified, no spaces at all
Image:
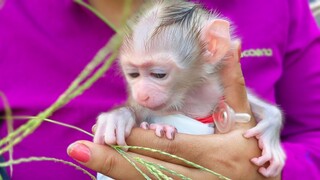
{"x":155,"y":108}
{"x":167,"y":109}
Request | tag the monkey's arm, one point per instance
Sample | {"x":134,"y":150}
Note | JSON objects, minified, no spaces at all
{"x":267,"y":131}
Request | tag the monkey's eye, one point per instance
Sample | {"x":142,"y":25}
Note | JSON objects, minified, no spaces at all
{"x":134,"y":75}
{"x":159,"y":75}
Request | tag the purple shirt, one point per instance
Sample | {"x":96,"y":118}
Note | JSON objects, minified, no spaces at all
{"x":45,"y":44}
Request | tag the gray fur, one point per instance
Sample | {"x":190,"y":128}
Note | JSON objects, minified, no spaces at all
{"x":178,"y":21}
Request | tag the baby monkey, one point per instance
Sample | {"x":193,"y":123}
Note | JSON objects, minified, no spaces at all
{"x":170,"y":58}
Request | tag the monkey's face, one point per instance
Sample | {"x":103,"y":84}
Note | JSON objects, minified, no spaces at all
{"x":153,"y":83}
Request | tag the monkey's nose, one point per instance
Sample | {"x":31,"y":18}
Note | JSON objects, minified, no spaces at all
{"x":143,"y":97}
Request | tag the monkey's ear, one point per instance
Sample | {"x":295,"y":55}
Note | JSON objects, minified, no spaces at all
{"x":217,"y":37}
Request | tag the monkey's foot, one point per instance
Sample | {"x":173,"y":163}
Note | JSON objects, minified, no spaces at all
{"x":161,"y":129}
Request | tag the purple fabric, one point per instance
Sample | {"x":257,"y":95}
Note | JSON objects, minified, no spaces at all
{"x":45,"y":44}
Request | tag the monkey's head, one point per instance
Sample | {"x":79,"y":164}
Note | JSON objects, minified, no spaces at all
{"x":172,"y":48}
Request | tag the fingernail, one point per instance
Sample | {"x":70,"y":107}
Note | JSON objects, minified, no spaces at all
{"x":79,"y":152}
{"x":94,"y":128}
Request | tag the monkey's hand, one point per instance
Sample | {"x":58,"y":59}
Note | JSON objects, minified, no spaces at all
{"x":114,"y":126}
{"x":160,"y":129}
{"x":273,"y":156}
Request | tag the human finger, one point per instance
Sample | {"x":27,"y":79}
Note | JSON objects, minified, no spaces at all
{"x":101,"y":158}
{"x":120,"y":133}
{"x":233,"y":81}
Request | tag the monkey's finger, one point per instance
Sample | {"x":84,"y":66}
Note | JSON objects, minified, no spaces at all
{"x":120,"y":133}
{"x":263,"y":171}
{"x":266,"y":156}
{"x":99,"y":134}
{"x":267,"y":172}
{"x":257,"y":130}
{"x":159,"y":129}
{"x":261,"y":144}
{"x":273,"y":169}
{"x":170,"y":131}
{"x":279,"y":170}
{"x":144,"y":125}
{"x":110,"y":133}
{"x":276,"y":164}
{"x":128,"y":129}
{"x":253,"y":132}
{"x":129,"y":125}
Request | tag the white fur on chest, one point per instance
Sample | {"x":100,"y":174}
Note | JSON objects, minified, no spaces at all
{"x":184,"y":124}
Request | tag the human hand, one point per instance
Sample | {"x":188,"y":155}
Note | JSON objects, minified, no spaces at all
{"x":226,"y":161}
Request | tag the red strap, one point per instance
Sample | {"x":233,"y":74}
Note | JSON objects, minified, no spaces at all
{"x":216,"y":116}
{"x":206,"y":120}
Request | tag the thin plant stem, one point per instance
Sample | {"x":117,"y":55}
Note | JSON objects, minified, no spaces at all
{"x":126,"y":156}
{"x":88,"y":69}
{"x":94,"y":77}
{"x":54,"y":122}
{"x":73,"y":91}
{"x":179,"y":158}
{"x":99,"y":15}
{"x":181,"y":176}
{"x":32,"y":159}
{"x":152,"y":169}
{"x":32,"y":124}
{"x":126,"y":13}
{"x":98,"y":58}
{"x":9,"y":118}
